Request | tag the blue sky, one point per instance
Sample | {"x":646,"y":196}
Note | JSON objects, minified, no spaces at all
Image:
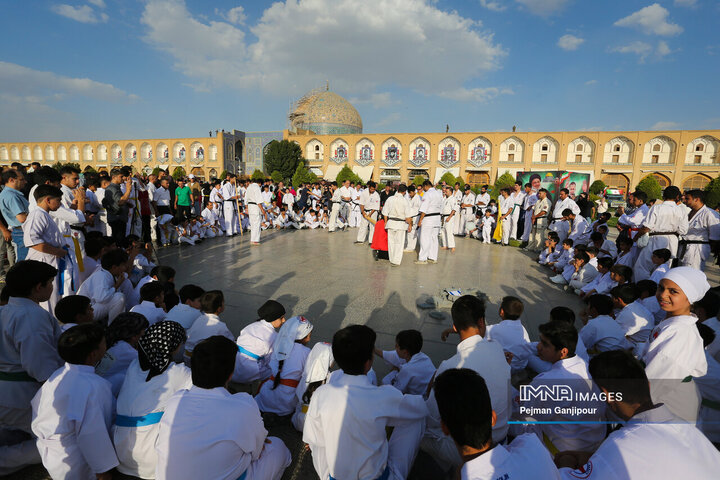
{"x":92,"y":69}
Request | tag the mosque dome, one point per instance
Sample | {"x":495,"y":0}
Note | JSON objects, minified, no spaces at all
{"x":325,"y":113}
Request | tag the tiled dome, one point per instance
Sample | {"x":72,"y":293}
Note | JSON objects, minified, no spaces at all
{"x":326,"y":113}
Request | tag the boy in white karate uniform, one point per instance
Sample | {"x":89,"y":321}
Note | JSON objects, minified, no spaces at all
{"x":153,"y":299}
{"x":661,"y":259}
{"x":345,"y":425}
{"x":488,"y":225}
{"x":168,"y":233}
{"x":28,"y":356}
{"x":255,"y":343}
{"x":317,"y":372}
{"x":412,"y":369}
{"x":121,"y":338}
{"x":601,"y":333}
{"x":603,"y":282}
{"x":510,"y":332}
{"x":188,"y":310}
{"x":635,"y":320}
{"x":648,"y":425}
{"x":208,"y":324}
{"x":152,"y":379}
{"x":46,"y":244}
{"x":73,"y":410}
{"x":206,"y":432}
{"x":466,"y":414}
{"x":674,"y":352}
{"x":277,"y":394}
{"x":102,"y":286}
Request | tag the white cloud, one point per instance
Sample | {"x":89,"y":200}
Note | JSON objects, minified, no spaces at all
{"x":493,"y":5}
{"x":389,"y":120}
{"x":685,"y":3}
{"x":236,"y":15}
{"x":83,"y":14}
{"x":405,"y":43}
{"x":35,"y":86}
{"x":376,"y":100}
{"x":591,"y":82}
{"x":665,"y":126}
{"x":644,"y":50}
{"x":475,"y":94}
{"x":97,"y":3}
{"x":651,"y":20}
{"x":570,"y":42}
{"x":544,"y":8}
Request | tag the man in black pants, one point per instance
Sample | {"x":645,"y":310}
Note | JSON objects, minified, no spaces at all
{"x":116,"y":203}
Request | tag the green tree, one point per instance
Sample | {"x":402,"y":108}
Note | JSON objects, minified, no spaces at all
{"x":178,"y":173}
{"x":448,"y":178}
{"x":713,"y":193}
{"x":59,"y":165}
{"x":651,"y":187}
{"x":257,"y":175}
{"x":597,"y":187}
{"x":303,"y":175}
{"x":347,"y":174}
{"x":223,"y":174}
{"x":156,"y":171}
{"x":90,"y":170}
{"x":276,"y":177}
{"x":418,"y":180}
{"x":282,"y":156}
{"x":460,"y":181}
{"x":504,"y":181}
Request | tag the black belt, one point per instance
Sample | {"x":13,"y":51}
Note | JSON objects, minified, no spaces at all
{"x":432,"y":214}
{"x":694,"y":242}
{"x":252,"y":203}
{"x":396,"y":219}
{"x":78,"y":229}
{"x":335,"y":202}
{"x":654,"y":234}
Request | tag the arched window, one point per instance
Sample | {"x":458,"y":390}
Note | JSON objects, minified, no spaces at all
{"x":699,"y":147}
{"x":617,"y":148}
{"x":662,"y":180}
{"x":656,"y":147}
{"x":511,"y":147}
{"x":579,"y":147}
{"x":317,"y":148}
{"x":544,"y":147}
{"x":616,"y":180}
{"x":695,"y":182}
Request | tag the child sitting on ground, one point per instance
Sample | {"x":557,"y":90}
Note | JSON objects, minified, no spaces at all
{"x":102,"y":286}
{"x":277,"y":394}
{"x":634,"y":319}
{"x":510,"y":332}
{"x":208,"y":324}
{"x":188,"y":310}
{"x":647,"y":290}
{"x":255,"y":343}
{"x":346,"y":422}
{"x":412,"y":369}
{"x":316,"y":373}
{"x":661,"y":259}
{"x":620,"y":274}
{"x":565,"y":257}
{"x":74,"y":310}
{"x":121,"y":339}
{"x":94,"y":247}
{"x":549,"y":253}
{"x":153,"y":301}
{"x":626,"y":253}
{"x":73,"y":410}
{"x":601,"y":333}
{"x":603,"y":282}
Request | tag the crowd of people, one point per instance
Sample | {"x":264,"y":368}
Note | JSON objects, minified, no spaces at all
{"x":105,"y":365}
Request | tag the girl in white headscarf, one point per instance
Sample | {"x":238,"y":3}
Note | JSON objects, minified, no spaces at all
{"x":317,"y":371}
{"x":674,"y":352}
{"x":277,"y":394}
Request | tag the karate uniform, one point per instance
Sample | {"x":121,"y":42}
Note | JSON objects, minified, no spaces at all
{"x":396,"y":209}
{"x":674,"y":351}
{"x":253,"y":198}
{"x":511,"y":335}
{"x":28,"y":356}
{"x":528,"y":203}
{"x":72,"y":414}
{"x":412,"y":377}
{"x":525,"y":457}
{"x":216,"y":198}
{"x":229,"y":209}
{"x":205,"y":326}
{"x":412,"y":236}
{"x":487,"y":229}
{"x":135,"y":445}
{"x":582,"y":277}
{"x":664,"y":219}
{"x":105,"y":300}
{"x":564,"y":436}
{"x":209,"y":433}
{"x":488,"y":360}
{"x":371,"y":204}
{"x":335,"y":210}
{"x":628,"y":258}
{"x":345,"y":427}
{"x":561,"y":205}
{"x":636,"y":321}
{"x":483,"y":198}
{"x":702,"y":227}
{"x":650,"y":446}
{"x":660,"y":272}
{"x":40,"y":228}
{"x":602,"y":284}
{"x":67,"y":217}
{"x":432,"y":204}
{"x":517,"y":200}
{"x":610,"y":247}
{"x":450,"y":206}
{"x":183,"y":314}
{"x":255,"y":344}
{"x":115,"y":363}
{"x":579,"y":232}
{"x":282,"y":399}
{"x":602,"y":334}
{"x":466,"y":213}
{"x":354,"y":219}
{"x":148,"y":309}
{"x":539,"y":231}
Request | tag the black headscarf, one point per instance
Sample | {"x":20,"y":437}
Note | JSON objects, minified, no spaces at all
{"x":156,"y":346}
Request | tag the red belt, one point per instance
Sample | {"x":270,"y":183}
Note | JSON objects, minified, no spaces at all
{"x":283,"y":381}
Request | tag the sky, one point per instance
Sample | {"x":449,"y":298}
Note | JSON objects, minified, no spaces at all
{"x":123,"y":69}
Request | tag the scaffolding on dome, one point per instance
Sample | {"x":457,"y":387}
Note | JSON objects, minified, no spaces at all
{"x":295,"y":118}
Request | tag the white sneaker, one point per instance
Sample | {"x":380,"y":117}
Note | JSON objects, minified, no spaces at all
{"x":558,"y":279}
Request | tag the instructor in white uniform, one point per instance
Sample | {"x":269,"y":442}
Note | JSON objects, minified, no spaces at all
{"x":397,"y":221}
{"x":254,"y":200}
{"x":429,"y":224}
